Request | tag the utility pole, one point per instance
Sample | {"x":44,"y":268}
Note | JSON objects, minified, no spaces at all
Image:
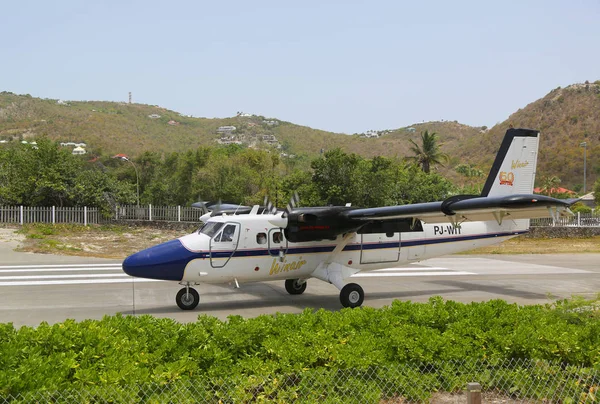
{"x":584,"y":145}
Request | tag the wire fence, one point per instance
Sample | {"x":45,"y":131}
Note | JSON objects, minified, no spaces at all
{"x":512,"y":381}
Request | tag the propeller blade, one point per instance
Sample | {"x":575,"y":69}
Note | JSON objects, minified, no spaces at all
{"x":294,"y":201}
{"x":216,"y":208}
{"x":269,"y":208}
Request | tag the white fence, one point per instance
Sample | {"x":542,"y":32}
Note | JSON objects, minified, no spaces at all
{"x":52,"y":214}
{"x":162,"y":213}
{"x":89,"y":215}
{"x":578,"y":220}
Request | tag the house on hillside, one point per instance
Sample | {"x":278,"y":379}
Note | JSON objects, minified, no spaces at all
{"x":588,"y":200}
{"x":154,"y":116}
{"x":172,"y":123}
{"x":226,"y":130}
{"x":78,"y":150}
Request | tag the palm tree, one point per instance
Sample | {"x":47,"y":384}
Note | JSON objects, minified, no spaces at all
{"x":428,"y":153}
{"x":550,"y":185}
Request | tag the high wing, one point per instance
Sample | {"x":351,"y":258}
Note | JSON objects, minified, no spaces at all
{"x":469,"y":208}
{"x":507,"y":195}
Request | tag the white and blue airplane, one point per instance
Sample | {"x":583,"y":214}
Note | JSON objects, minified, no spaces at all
{"x":333,"y":243}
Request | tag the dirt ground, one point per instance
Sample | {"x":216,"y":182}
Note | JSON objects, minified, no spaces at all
{"x":94,"y":241}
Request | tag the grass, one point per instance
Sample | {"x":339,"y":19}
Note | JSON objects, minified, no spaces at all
{"x":531,"y":245}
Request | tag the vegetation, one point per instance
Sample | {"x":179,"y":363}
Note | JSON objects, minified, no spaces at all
{"x":428,"y":153}
{"x":48,"y":175}
{"x":119,"y":351}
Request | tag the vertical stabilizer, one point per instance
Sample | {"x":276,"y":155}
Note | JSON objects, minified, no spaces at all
{"x":513,"y":171}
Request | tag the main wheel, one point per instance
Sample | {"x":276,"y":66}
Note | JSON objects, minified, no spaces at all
{"x":294,"y":287}
{"x":352,"y":295}
{"x":187,"y":299}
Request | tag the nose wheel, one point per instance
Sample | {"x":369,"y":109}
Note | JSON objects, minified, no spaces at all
{"x":187,"y":298}
{"x":352,"y":295}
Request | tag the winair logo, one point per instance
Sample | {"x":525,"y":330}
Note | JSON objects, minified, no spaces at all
{"x":507,"y":178}
{"x":518,"y":164}
{"x":285,"y":266}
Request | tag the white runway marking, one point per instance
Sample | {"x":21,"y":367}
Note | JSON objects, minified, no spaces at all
{"x":54,"y":274}
{"x":76,"y":282}
{"x":388,"y":274}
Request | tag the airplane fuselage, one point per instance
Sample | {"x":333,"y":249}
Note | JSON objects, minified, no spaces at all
{"x":259,"y":251}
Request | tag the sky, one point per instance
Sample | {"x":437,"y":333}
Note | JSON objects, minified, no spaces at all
{"x":343,"y":66}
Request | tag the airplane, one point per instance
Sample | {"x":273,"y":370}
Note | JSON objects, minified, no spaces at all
{"x":332,"y":243}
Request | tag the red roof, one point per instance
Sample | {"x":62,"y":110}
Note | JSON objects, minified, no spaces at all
{"x":120,"y":156}
{"x":557,"y":190}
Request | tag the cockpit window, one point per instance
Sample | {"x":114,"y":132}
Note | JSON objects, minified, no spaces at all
{"x":210,"y":228}
{"x":228,"y":233}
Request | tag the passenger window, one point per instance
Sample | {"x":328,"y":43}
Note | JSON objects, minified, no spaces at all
{"x":261,"y":238}
{"x":277,"y":237}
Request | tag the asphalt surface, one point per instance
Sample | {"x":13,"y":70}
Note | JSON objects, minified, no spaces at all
{"x":36,"y":287}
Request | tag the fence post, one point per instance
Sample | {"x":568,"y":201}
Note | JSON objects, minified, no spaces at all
{"x":53,"y":214}
{"x":150,"y":212}
{"x":85,"y":215}
{"x":578,"y":219}
{"x":178,"y":213}
{"x":21,"y":215}
{"x":116,"y":212}
{"x":473,"y":393}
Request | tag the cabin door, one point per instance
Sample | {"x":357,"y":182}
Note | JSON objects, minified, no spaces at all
{"x":380,"y":247}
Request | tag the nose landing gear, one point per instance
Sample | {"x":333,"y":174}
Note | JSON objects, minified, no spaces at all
{"x":187,"y":298}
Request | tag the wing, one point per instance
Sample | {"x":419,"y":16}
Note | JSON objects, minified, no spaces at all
{"x":463,"y":208}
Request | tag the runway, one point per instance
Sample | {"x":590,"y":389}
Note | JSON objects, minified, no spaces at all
{"x":36,"y":288}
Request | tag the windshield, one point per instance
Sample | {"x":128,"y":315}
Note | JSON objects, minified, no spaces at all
{"x":210,"y":228}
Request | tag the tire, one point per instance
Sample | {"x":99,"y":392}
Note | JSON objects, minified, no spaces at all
{"x":293,"y":286}
{"x":187,"y":301}
{"x":352,"y":295}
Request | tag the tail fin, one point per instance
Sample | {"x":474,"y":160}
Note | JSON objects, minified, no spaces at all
{"x":513,"y":171}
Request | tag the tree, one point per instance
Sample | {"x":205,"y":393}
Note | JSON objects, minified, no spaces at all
{"x":428,"y":153}
{"x":550,"y":185}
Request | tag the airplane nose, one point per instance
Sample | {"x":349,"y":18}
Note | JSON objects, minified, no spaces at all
{"x":166,"y":261}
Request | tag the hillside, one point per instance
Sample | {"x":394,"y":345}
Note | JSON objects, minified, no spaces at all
{"x":110,"y":127}
{"x":566,"y":116}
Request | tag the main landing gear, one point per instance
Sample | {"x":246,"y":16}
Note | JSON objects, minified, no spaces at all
{"x":187,"y":298}
{"x":295,"y":286}
{"x":351,"y":295}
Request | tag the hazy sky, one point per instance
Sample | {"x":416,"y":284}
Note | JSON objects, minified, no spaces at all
{"x":344,"y":66}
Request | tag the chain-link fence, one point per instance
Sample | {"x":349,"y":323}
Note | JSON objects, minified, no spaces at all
{"x":511,"y":381}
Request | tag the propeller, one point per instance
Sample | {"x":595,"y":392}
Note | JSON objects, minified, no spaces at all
{"x":283,"y":220}
{"x":294,"y":201}
{"x":269,"y":208}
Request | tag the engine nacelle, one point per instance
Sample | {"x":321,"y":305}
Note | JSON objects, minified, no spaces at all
{"x":313,"y":224}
